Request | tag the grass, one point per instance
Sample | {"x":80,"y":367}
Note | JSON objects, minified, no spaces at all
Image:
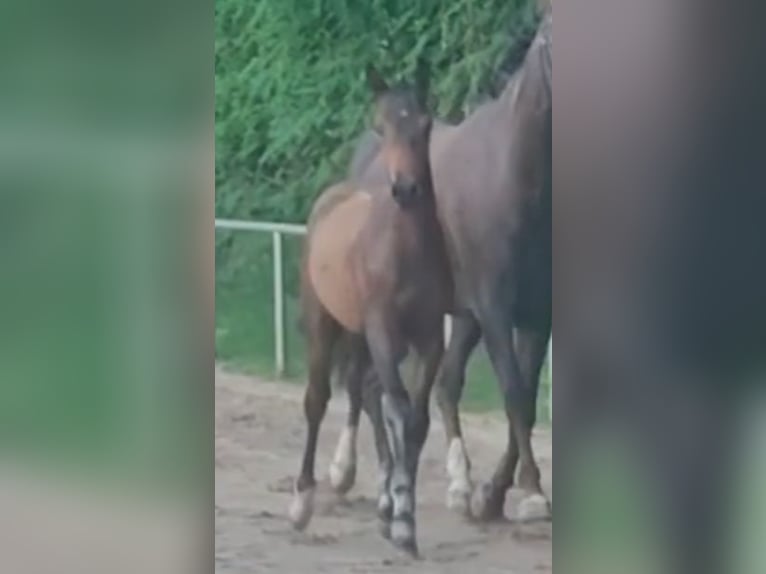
{"x":244,"y":329}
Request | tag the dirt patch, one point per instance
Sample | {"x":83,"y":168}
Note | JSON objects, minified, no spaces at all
{"x":259,"y":442}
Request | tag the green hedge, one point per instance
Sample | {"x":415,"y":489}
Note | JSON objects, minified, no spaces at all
{"x":290,"y":95}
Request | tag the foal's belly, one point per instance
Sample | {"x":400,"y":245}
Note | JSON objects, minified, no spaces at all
{"x":330,"y":267}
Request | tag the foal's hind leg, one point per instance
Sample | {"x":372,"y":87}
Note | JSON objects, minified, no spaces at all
{"x":343,"y":466}
{"x":465,"y":336}
{"x":322,"y":334}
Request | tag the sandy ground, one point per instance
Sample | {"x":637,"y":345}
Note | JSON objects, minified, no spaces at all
{"x":259,"y":433}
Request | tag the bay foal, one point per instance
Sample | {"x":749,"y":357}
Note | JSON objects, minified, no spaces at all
{"x":375,"y":277}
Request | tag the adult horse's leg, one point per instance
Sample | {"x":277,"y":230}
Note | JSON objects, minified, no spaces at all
{"x":465,"y":336}
{"x":430,"y":353}
{"x":519,"y":406}
{"x":322,"y":335}
{"x":397,"y":414}
{"x":531,"y":348}
{"x":343,"y":466}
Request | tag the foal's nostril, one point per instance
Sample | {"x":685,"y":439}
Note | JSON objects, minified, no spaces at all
{"x":404,"y":189}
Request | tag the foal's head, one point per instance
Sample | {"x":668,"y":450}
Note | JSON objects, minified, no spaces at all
{"x":404,"y":124}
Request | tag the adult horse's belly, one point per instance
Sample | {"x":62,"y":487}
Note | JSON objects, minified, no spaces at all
{"x":330,"y":264}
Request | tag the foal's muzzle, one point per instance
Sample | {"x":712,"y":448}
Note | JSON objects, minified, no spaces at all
{"x":404,"y":190}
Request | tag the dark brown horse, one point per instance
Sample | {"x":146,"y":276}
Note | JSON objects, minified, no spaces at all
{"x":375,"y":278}
{"x":492,"y":176}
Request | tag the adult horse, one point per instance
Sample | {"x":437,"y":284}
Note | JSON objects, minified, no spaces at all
{"x":492,"y":176}
{"x":375,"y":277}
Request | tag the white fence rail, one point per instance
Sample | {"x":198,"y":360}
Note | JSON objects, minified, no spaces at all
{"x":277,"y":231}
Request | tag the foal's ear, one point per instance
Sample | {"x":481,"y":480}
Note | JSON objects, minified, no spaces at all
{"x":422,"y":80}
{"x":375,"y":81}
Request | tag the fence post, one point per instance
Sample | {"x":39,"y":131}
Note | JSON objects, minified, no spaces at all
{"x":279,"y":305}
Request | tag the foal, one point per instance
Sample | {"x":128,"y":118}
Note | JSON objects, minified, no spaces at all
{"x":375,"y":275}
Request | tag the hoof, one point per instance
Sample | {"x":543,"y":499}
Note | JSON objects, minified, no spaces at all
{"x":343,"y":467}
{"x":459,"y":499}
{"x":301,"y":508}
{"x":403,"y":537}
{"x":534,"y":507}
{"x":384,"y":526}
{"x":385,"y":508}
{"x":342,"y":478}
{"x":458,"y":470}
{"x":487,"y":505}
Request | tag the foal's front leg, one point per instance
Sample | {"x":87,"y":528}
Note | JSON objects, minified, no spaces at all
{"x":371,"y":403}
{"x":397,"y":415}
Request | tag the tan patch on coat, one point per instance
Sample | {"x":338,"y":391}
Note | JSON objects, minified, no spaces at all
{"x":330,"y":267}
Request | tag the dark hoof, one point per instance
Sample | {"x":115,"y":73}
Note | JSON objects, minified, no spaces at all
{"x":385,"y":509}
{"x":407,"y":546}
{"x":403,"y":537}
{"x":487,"y":504}
{"x":384,"y":526}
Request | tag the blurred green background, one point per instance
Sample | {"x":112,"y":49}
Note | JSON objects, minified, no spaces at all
{"x":105,"y":112}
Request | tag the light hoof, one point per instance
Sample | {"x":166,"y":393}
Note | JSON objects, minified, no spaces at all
{"x":343,"y":466}
{"x":301,"y":508}
{"x":459,"y":499}
{"x":486,"y":504}
{"x":458,"y":471}
{"x":534,"y":507}
{"x":342,"y":477}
